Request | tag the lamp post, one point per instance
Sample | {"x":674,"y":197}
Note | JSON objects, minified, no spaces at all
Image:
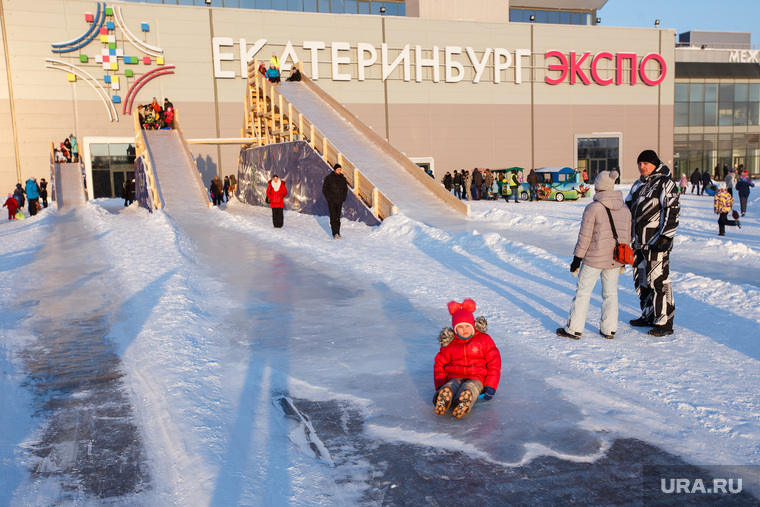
{"x":385,"y":83}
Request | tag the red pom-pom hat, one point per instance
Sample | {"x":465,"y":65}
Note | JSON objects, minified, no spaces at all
{"x":462,"y":313}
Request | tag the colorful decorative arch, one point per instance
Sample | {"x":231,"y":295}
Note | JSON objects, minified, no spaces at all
{"x":87,"y":78}
{"x":73,"y":45}
{"x":132,"y":92}
{"x":137,"y":43}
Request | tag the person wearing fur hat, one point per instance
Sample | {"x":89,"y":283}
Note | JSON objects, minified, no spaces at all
{"x":593,"y":259}
{"x":468,"y":362}
{"x":276,"y":193}
{"x":653,"y":201}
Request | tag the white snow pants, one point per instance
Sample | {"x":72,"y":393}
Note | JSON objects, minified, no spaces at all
{"x":576,"y":320}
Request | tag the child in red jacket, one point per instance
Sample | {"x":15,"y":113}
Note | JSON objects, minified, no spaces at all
{"x":468,"y":363}
{"x":12,"y":206}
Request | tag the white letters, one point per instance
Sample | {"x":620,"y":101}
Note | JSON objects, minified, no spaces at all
{"x":338,"y":60}
{"x":519,"y":53}
{"x":404,"y":55}
{"x":420,"y":62}
{"x":452,"y":64}
{"x":219,"y":57}
{"x":479,"y":65}
{"x":500,"y":55}
{"x":246,"y":56}
{"x":314,"y":46}
{"x":362,"y":49}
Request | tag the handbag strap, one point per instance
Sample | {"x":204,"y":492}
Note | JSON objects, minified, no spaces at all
{"x":612,"y":223}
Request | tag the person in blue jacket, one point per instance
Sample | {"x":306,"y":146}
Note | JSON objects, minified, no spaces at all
{"x":32,"y":195}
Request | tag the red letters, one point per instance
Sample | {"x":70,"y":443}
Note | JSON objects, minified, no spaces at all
{"x":595,"y":72}
{"x":562,"y":67}
{"x":575,"y":68}
{"x":642,"y":72}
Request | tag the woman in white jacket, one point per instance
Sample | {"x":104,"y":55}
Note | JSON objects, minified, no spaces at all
{"x":594,"y":250}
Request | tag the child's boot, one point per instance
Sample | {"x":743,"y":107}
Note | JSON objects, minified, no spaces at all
{"x":443,"y":401}
{"x":464,"y":403}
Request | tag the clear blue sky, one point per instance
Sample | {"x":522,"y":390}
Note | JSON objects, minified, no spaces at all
{"x":685,"y":15}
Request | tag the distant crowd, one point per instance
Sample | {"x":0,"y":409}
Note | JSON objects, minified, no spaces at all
{"x":221,"y":191}
{"x":273,"y":72}
{"x":155,"y":117}
{"x":67,"y":151}
{"x":32,"y":194}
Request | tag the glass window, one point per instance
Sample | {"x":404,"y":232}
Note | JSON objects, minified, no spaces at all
{"x":554,"y":17}
{"x":363,"y":7}
{"x":681,"y":114}
{"x":184,"y":2}
{"x":696,"y":114}
{"x":515,"y":15}
{"x":682,"y":92}
{"x":527,"y":13}
{"x":740,"y":92}
{"x":351,"y":7}
{"x":401,"y":9}
{"x":336,"y":6}
{"x":542,"y":17}
{"x":280,"y":5}
{"x":323,"y":5}
{"x":263,"y":4}
{"x":586,"y":19}
{"x":696,"y":92}
{"x":711,"y":113}
{"x":564,"y":18}
{"x":711,"y":92}
{"x":575,"y":18}
{"x":725,"y":114}
{"x":726,"y":92}
{"x":295,"y":5}
{"x":740,"y":113}
{"x":310,"y":5}
{"x":753,"y":113}
{"x":754,"y":92}
{"x":230,"y":3}
{"x":391,"y":9}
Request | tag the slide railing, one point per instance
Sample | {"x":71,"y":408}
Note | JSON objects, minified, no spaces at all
{"x":141,"y":151}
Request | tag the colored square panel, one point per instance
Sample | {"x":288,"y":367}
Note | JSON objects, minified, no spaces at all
{"x":105,"y":58}
{"x":114,"y":79}
{"x":71,"y":77}
{"x":110,"y":25}
{"x":119,"y":52}
{"x":111,"y":38}
{"x":83,"y":58}
{"x":106,"y":66}
{"x":115,"y":86}
{"x":159,"y":60}
{"x":88,"y":17}
{"x":116,"y":99}
{"x":112,"y":48}
{"x":145,"y":27}
{"x":128,"y":73}
{"x":104,"y":39}
{"x":109,"y":11}
{"x":98,"y":58}
{"x":114,"y":66}
{"x":146,"y":60}
{"x":107,"y":78}
{"x":104,"y":31}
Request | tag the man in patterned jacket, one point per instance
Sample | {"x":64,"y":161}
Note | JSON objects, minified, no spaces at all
{"x":653,"y":202}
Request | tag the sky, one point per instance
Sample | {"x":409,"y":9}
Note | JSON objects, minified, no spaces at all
{"x":685,"y":15}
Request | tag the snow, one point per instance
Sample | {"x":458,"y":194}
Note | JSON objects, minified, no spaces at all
{"x":215,"y":318}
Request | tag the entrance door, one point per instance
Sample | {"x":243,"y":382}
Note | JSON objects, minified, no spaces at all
{"x":597,"y":154}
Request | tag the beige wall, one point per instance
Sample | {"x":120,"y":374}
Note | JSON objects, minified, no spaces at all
{"x":480,"y":10}
{"x":460,"y":124}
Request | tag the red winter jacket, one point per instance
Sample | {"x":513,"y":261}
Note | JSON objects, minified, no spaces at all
{"x":276,"y":196}
{"x":476,"y":358}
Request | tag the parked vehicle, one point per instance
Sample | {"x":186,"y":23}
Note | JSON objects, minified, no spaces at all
{"x":560,"y":183}
{"x":502,"y":174}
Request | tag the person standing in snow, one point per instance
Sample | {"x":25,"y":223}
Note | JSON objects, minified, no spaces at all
{"x":12,"y":206}
{"x":594,"y":250}
{"x":32,"y":196}
{"x":683,"y":183}
{"x":653,"y":201}
{"x":44,"y":192}
{"x":723,"y":205}
{"x":468,"y":362}
{"x":276,"y":193}
{"x":468,"y":185}
{"x":730,"y":181}
{"x":706,"y":181}
{"x":742,"y":187}
{"x":514,"y":186}
{"x":335,"y":190}
{"x":696,"y":180}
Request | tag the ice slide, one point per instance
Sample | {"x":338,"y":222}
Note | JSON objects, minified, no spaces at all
{"x":69,"y":186}
{"x":179,"y":182}
{"x":374,"y":160}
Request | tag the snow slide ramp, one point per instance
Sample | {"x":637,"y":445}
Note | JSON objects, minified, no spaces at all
{"x":179,"y":183}
{"x":408,"y":187}
{"x":69,"y":186}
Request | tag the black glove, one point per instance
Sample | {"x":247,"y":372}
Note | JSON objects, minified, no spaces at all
{"x":662,"y":244}
{"x":575,"y":265}
{"x":488,"y":393}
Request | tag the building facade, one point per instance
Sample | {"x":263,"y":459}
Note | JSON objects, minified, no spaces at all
{"x":464,"y":94}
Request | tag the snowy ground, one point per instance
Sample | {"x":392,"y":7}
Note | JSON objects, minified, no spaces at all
{"x":150,"y":359}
